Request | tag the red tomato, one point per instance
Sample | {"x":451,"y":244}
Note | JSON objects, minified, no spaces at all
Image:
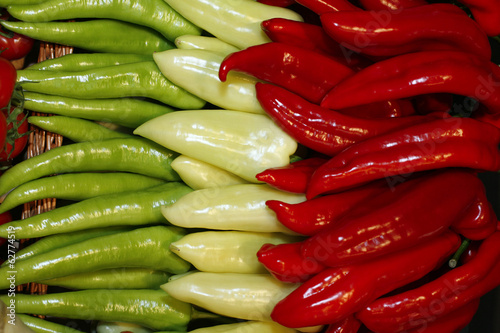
{"x":12,"y":45}
{"x":3,"y":130}
{"x":8,"y":78}
{"x":16,"y":136}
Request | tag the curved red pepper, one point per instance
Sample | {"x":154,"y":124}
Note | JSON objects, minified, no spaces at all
{"x":336,"y":293}
{"x":347,"y":325}
{"x":304,"y":72}
{"x":397,"y":219}
{"x":453,"y":322}
{"x":479,"y":221}
{"x":419,"y":73}
{"x":312,"y":216}
{"x":442,"y":143}
{"x":325,"y":6}
{"x":286,"y":264}
{"x":441,"y":26}
{"x":312,"y":37}
{"x":323,"y":130}
{"x":486,"y":13}
{"x":455,"y":289}
{"x":293,"y":177}
{"x":392,"y":5}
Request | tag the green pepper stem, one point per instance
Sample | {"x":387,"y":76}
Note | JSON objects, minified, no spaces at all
{"x":452,"y":263}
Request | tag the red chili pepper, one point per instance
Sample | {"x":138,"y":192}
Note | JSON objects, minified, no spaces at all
{"x":293,"y":177}
{"x":277,"y":3}
{"x":325,"y":6}
{"x":441,"y":26}
{"x":304,"y":72}
{"x":285,"y":263}
{"x":323,"y":130}
{"x":443,"y":143}
{"x":419,"y":73}
{"x":486,"y":13}
{"x":453,"y":322}
{"x":396,"y":219}
{"x":440,"y":297}
{"x":312,"y":216}
{"x":312,"y":37}
{"x":479,"y":221}
{"x":336,"y":293}
{"x":392,"y":5}
{"x":347,"y":325}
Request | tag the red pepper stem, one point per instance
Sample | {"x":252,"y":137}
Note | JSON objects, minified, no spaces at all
{"x":452,"y":263}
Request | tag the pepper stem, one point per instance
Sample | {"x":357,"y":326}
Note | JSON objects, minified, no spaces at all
{"x":452,"y":263}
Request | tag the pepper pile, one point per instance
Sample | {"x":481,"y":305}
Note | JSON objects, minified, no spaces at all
{"x":296,"y":165}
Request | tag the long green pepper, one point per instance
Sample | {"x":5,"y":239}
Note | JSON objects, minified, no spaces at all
{"x":76,"y":129}
{"x":95,"y":35}
{"x":155,"y":14}
{"x":135,"y":155}
{"x":146,"y":247}
{"x":39,"y":325}
{"x":151,"y":308}
{"x":128,"y":208}
{"x":127,"y":112}
{"x":77,"y":186}
{"x":143,"y":79}
{"x":76,"y":62}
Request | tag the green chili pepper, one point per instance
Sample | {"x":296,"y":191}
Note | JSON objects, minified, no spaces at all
{"x":236,"y":207}
{"x":198,"y":175}
{"x":247,"y":326}
{"x":120,"y":327}
{"x":197,"y":71}
{"x":128,"y":112}
{"x":150,"y":308}
{"x":128,"y":208}
{"x":131,"y":155}
{"x":49,"y":243}
{"x":77,"y":187}
{"x":142,"y":79}
{"x":39,"y":325}
{"x":111,"y":36}
{"x":237,"y":22}
{"x":226,"y":251}
{"x":76,"y":62}
{"x":242,"y":296}
{"x":75,"y":129}
{"x":146,"y":247}
{"x":115,"y":278}
{"x":5,"y":3}
{"x":155,"y":14}
{"x":214,"y":44}
{"x":239,"y":142}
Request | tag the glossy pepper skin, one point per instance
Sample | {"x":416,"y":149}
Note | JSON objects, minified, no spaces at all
{"x":325,"y":6}
{"x":441,"y":26}
{"x":479,"y":221}
{"x":453,"y":322}
{"x":392,"y":5}
{"x":401,"y":217}
{"x":321,"y":129}
{"x":418,"y":73}
{"x":304,"y":72}
{"x":285,"y":262}
{"x":293,"y":177}
{"x":443,"y":143}
{"x":312,"y":37}
{"x":456,"y":288}
{"x":312,"y":216}
{"x":336,"y":293}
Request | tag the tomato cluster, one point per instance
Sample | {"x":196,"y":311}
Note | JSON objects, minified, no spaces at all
{"x":13,"y":125}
